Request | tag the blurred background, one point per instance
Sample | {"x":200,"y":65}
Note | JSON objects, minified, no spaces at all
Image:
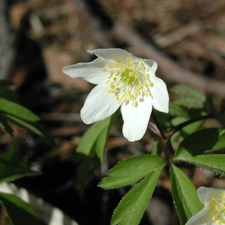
{"x":38,"y":38}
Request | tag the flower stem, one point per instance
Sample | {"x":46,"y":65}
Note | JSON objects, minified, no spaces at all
{"x":184,"y":124}
{"x":166,"y":139}
{"x":158,"y":126}
{"x":166,"y":145}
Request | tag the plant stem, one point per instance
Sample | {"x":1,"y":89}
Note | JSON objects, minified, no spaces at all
{"x":166,"y":145}
{"x":158,"y":126}
{"x":184,"y":124}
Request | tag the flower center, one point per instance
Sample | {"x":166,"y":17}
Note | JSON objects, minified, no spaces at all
{"x":217,"y":206}
{"x":128,"y":81}
{"x":127,"y":77}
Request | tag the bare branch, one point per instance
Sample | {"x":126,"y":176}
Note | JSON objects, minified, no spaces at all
{"x":169,"y":69}
{"x":92,"y":25}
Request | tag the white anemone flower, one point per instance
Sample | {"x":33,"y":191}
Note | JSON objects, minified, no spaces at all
{"x":122,"y":80}
{"x":213,"y":212}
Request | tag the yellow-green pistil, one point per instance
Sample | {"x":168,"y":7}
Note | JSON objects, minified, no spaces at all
{"x":217,"y":211}
{"x":128,"y":81}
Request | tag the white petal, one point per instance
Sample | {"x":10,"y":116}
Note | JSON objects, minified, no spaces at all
{"x":204,"y":217}
{"x":201,"y":218}
{"x":99,"y":104}
{"x":152,"y":64}
{"x":91,"y":71}
{"x":205,"y":194}
{"x":136,"y":119}
{"x":111,"y":54}
{"x":160,"y":95}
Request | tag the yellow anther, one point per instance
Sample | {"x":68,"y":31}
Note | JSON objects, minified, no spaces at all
{"x":131,"y":79}
{"x":131,"y":74}
{"x":217,"y":206}
{"x":139,"y":86}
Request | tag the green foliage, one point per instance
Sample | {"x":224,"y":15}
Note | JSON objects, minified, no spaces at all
{"x":34,"y":127}
{"x":196,"y":147}
{"x":185,"y":196}
{"x":202,"y":141}
{"x":92,"y":145}
{"x":211,"y":162}
{"x":189,"y":97}
{"x":17,"y":110}
{"x":182,"y":127}
{"x":18,"y":211}
{"x":5,"y":124}
{"x":94,"y":140}
{"x":132,"y":206}
{"x":11,"y":112}
{"x":188,"y":112}
{"x":186,"y":130}
{"x":189,"y":102}
{"x":131,"y":170}
{"x":13,"y":166}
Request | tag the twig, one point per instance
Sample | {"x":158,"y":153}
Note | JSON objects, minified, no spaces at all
{"x":170,"y":70}
{"x":92,"y":25}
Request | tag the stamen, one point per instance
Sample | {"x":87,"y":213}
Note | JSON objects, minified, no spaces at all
{"x":130,"y":78}
{"x":217,"y":209}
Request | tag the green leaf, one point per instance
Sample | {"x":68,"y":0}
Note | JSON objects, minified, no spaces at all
{"x":13,"y":167}
{"x":131,"y":170}
{"x":156,"y":149}
{"x":211,"y":162}
{"x":94,"y":140}
{"x":17,"y":110}
{"x":101,"y":143}
{"x":185,"y":195}
{"x":202,"y":141}
{"x":189,"y":102}
{"x":33,"y":127}
{"x":187,"y":130}
{"x":18,"y":211}
{"x":5,"y":123}
{"x":91,"y":145}
{"x":191,"y":97}
{"x":81,"y":174}
{"x":177,"y":110}
{"x":131,"y":208}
